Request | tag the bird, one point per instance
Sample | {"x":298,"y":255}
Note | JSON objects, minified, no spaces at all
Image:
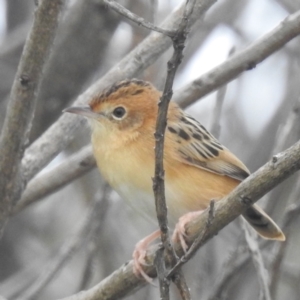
{"x":198,"y":168}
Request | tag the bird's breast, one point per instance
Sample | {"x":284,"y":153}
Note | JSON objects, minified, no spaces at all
{"x":129,"y":170}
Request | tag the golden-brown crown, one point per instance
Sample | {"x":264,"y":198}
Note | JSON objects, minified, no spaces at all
{"x":123,"y":90}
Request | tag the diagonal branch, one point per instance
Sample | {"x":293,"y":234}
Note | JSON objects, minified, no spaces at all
{"x":22,"y":103}
{"x":244,"y":60}
{"x":89,"y":226}
{"x":50,"y":181}
{"x":257,"y":259}
{"x":136,"y":19}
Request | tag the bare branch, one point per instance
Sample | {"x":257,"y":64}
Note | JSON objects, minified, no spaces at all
{"x":244,"y":60}
{"x":22,"y":102}
{"x":89,"y":226}
{"x":136,"y":19}
{"x":56,"y":178}
{"x":181,"y":285}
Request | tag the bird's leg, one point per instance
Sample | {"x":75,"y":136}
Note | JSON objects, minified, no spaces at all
{"x":139,"y":255}
{"x":179,"y":233}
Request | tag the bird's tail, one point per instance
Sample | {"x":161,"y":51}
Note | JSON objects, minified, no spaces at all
{"x":263,"y":224}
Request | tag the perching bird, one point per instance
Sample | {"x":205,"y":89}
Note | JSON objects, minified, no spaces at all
{"x":197,"y":167}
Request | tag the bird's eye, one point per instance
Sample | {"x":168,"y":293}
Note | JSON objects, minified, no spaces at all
{"x":119,"y":112}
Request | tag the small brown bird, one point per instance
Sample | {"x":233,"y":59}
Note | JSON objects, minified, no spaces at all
{"x":197,"y":167}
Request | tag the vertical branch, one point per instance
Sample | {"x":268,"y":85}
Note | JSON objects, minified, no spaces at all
{"x":158,"y":180}
{"x":22,"y":102}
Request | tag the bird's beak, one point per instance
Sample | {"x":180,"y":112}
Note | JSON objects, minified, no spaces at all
{"x":83,"y":110}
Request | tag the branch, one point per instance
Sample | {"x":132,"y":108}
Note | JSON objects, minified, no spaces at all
{"x":262,"y":274}
{"x":123,"y":281}
{"x":46,"y":183}
{"x":22,"y":102}
{"x":244,"y":60}
{"x":90,"y":225}
{"x":137,"y":19}
{"x":291,"y":212}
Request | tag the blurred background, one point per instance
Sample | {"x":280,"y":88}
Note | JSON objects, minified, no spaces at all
{"x":75,"y":237}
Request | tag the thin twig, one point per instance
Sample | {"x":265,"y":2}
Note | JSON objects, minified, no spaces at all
{"x":181,"y":285}
{"x":137,"y":19}
{"x":164,"y":283}
{"x":22,"y":103}
{"x":262,"y":274}
{"x":87,"y":229}
{"x":158,"y":181}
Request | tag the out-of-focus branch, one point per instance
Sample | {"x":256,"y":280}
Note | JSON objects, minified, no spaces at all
{"x":242,"y":61}
{"x":123,"y":281}
{"x":262,"y":274}
{"x":230,"y":269}
{"x":56,"y":178}
{"x":291,"y":212}
{"x":89,"y":226}
{"x":135,"y":18}
{"x":216,"y":127}
{"x":77,"y":55}
{"x":22,"y":102}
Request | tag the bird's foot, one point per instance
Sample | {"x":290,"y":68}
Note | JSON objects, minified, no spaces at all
{"x":139,"y":255}
{"x":179,"y":233}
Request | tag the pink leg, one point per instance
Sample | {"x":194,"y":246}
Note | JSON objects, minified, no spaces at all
{"x":139,"y":255}
{"x":179,"y":231}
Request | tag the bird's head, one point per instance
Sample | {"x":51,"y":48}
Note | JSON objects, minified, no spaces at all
{"x":126,"y":106}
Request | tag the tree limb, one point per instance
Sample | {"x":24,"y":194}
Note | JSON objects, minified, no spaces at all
{"x":22,"y":103}
{"x":244,"y":60}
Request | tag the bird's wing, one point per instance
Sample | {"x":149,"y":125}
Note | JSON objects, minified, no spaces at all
{"x":196,"y":146}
